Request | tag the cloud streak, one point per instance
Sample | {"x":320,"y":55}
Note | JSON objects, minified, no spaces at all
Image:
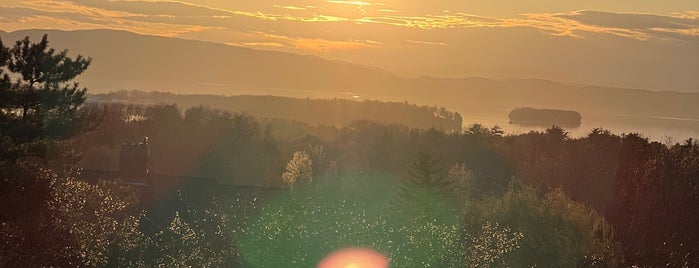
{"x":639,"y":26}
{"x":314,"y":27}
{"x":316,"y":44}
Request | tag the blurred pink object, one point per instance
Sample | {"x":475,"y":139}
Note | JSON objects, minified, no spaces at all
{"x":354,"y":258}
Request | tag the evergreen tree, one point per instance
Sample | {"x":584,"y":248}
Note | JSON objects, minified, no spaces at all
{"x":48,"y":218}
{"x":426,"y":190}
{"x":41,"y":101}
{"x":459,"y":175}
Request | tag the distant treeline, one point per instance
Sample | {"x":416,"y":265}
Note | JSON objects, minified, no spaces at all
{"x":545,"y":117}
{"x":337,"y":112}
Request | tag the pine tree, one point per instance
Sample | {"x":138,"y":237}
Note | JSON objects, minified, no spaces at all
{"x":426,"y":190}
{"x":42,"y":101}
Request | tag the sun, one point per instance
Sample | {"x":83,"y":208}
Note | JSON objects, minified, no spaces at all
{"x":352,"y":265}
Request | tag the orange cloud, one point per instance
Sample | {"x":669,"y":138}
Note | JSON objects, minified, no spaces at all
{"x":427,"y":43}
{"x":572,"y":24}
{"x":354,"y":3}
{"x":148,"y":18}
{"x":290,"y":7}
{"x":64,"y":6}
{"x":257,"y":44}
{"x":68,"y":15}
{"x":320,"y":45}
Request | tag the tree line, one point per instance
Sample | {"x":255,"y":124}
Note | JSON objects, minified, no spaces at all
{"x":337,"y":112}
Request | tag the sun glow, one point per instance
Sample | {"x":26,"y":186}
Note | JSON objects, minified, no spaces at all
{"x":354,"y":258}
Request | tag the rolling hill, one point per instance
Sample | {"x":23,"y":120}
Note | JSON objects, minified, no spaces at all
{"x":128,"y":61}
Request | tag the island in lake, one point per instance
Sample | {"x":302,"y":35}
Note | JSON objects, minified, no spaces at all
{"x":545,"y":117}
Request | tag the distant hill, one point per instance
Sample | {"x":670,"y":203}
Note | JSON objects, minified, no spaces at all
{"x":333,"y":112}
{"x":127,"y":61}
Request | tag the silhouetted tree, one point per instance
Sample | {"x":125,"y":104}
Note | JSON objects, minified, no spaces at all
{"x":41,"y":102}
{"x":556,"y":133}
{"x":477,"y":130}
{"x":49,"y":218}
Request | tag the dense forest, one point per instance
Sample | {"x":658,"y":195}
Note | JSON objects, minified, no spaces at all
{"x":279,"y":193}
{"x":334,"y":112}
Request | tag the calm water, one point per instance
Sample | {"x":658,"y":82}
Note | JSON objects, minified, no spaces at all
{"x":662,"y":129}
{"x":655,"y":128}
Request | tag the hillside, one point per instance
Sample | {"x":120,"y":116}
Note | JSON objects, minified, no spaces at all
{"x":127,"y":61}
{"x":337,"y":112}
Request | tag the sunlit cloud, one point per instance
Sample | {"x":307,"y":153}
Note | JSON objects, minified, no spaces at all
{"x":65,"y":6}
{"x":66,"y":15}
{"x":355,"y":3}
{"x":427,"y":43}
{"x":412,"y":37}
{"x":290,"y":7}
{"x":630,"y":25}
{"x":307,"y":26}
{"x":320,"y":45}
{"x":257,"y":44}
{"x":156,"y":7}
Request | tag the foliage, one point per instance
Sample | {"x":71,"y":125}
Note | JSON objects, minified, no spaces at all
{"x":44,"y":208}
{"x":336,"y":112}
{"x":301,"y":227}
{"x":41,"y":102}
{"x":196,"y":235}
{"x":99,"y":217}
{"x":425,"y":192}
{"x":488,"y":247}
{"x":299,"y":169}
{"x":459,"y":177}
{"x":646,"y":190}
{"x":601,"y":171}
{"x":220,"y":145}
{"x":557,"y":232}
{"x":27,"y":224}
{"x":74,"y":222}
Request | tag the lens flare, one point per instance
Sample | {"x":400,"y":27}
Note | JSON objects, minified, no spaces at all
{"x":354,"y":258}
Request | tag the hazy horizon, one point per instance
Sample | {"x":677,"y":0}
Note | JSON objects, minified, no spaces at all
{"x":649,"y":45}
{"x":127,"y":61}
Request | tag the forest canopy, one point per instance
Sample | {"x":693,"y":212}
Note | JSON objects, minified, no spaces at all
{"x":332,"y":112}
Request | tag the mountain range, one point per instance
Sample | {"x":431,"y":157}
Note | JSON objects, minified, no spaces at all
{"x":128,"y":61}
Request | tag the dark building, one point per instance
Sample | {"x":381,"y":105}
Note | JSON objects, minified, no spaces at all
{"x":133,"y":170}
{"x":133,"y":161}
{"x":159,"y":194}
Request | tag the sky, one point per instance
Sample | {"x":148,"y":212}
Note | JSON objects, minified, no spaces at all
{"x":640,"y":44}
